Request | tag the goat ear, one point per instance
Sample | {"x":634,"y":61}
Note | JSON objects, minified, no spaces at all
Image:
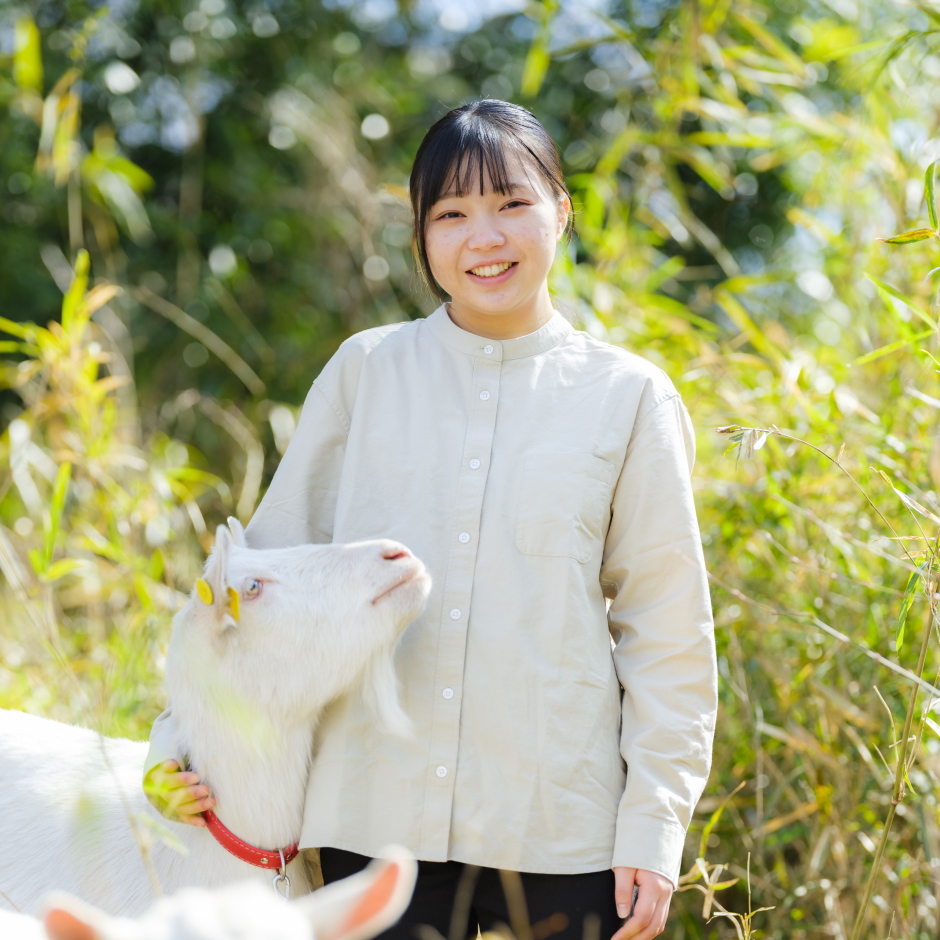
{"x":365,"y":904}
{"x":213,"y":589}
{"x":238,"y":532}
{"x":68,"y":918}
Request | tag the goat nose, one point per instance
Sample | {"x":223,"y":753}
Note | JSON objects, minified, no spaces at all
{"x":394,"y":550}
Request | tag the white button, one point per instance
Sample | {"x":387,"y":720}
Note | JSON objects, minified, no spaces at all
{"x":448,"y":693}
{"x":464,"y":537}
{"x":484,"y":396}
{"x":441,"y":771}
{"x":455,"y":614}
{"x":474,"y":464}
{"x":487,"y":349}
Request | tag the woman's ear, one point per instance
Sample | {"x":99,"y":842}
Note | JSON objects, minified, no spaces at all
{"x":564,"y":215}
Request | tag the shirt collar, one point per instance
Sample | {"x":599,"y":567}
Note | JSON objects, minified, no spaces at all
{"x":520,"y":347}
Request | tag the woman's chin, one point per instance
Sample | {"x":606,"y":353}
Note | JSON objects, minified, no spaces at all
{"x":490,"y":302}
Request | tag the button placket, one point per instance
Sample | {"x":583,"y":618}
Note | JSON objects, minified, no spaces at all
{"x":456,"y":612}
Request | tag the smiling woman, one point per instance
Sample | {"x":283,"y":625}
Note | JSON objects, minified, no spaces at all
{"x":490,"y":204}
{"x":538,"y":472}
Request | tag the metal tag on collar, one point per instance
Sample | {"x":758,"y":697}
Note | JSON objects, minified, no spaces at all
{"x":281,"y":882}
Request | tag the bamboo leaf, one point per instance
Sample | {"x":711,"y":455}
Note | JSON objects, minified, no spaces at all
{"x":538,"y":58}
{"x":76,"y":292}
{"x":99,"y":295}
{"x":776,"y":47}
{"x":906,"y":238}
{"x":536,"y":66}
{"x":885,"y":288}
{"x":713,"y":819}
{"x":929,"y":179}
{"x":890,"y":348}
{"x":59,"y":491}
{"x":742,"y":320}
{"x":15,"y":329}
{"x":906,"y":602}
{"x":27,"y":55}
{"x":9,"y":346}
{"x":61,"y":568}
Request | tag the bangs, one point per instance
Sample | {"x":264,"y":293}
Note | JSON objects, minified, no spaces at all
{"x":475,"y":154}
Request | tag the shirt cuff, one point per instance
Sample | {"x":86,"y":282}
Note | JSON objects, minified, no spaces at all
{"x":651,"y":844}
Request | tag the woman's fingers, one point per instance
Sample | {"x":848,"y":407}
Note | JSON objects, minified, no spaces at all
{"x":185,"y":795}
{"x":624,"y":882}
{"x":180,"y":791}
{"x":656,"y":923}
{"x":643,"y":912}
{"x":190,"y":812}
{"x":652,"y":903}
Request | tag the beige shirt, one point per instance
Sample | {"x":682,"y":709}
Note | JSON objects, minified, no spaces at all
{"x":534,"y":477}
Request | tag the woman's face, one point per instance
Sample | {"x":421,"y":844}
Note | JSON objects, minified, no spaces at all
{"x":491,"y":252}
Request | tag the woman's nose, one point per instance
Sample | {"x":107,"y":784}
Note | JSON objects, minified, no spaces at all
{"x":485,"y":235}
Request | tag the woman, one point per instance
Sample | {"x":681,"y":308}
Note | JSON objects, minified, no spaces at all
{"x":536,"y":471}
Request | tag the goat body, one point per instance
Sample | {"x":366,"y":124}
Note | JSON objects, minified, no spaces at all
{"x":247,"y":688}
{"x":70,"y":803}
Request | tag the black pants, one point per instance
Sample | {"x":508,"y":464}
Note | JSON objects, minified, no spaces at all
{"x":455,"y":899}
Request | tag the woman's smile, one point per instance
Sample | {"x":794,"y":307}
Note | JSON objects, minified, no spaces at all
{"x":497,"y":272}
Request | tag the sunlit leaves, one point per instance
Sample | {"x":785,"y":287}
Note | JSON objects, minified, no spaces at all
{"x":538,"y":57}
{"x":27,"y":55}
{"x":118,"y":183}
{"x":929,"y":185}
{"x":915,"y":235}
{"x":74,"y":298}
{"x":906,"y":602}
{"x":747,"y":441}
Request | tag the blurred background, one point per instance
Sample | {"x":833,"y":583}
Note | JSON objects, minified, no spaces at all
{"x":200,"y":199}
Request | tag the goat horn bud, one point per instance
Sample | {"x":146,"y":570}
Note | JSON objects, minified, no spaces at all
{"x":204,"y":591}
{"x":233,"y":604}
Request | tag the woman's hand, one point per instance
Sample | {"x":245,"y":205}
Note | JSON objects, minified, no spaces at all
{"x":175,"y":793}
{"x":652,"y":903}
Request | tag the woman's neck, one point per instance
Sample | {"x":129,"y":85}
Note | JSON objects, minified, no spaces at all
{"x":508,"y":324}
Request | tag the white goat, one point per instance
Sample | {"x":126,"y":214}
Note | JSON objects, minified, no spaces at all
{"x":315,"y":621}
{"x":355,"y":908}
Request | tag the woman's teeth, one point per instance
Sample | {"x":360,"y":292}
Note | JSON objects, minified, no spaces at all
{"x":491,"y":270}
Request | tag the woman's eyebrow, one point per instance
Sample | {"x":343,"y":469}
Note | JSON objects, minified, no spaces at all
{"x":510,"y":190}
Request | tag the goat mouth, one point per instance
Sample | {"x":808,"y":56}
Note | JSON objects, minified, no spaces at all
{"x":401,"y":582}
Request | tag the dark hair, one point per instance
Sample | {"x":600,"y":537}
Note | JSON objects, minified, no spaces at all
{"x":468,"y":142}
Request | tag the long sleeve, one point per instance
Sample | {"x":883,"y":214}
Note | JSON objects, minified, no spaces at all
{"x":299,"y":505}
{"x":661,"y":622}
{"x":163,"y":747}
{"x":162,"y":741}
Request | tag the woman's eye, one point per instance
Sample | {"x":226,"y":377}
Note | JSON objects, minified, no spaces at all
{"x":513,"y":204}
{"x":253,"y":588}
{"x":449,"y":215}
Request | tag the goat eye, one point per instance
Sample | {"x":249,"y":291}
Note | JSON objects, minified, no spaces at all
{"x":253,"y":589}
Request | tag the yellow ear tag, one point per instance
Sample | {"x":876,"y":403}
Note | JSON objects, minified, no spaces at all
{"x":233,"y":604}
{"x":204,"y":591}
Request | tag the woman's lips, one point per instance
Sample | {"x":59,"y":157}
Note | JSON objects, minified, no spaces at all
{"x":495,"y":279}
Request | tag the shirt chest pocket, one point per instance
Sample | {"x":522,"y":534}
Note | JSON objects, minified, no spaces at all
{"x":564,"y":505}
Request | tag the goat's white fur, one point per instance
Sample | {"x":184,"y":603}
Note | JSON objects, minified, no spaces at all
{"x":355,"y":908}
{"x":246,"y":697}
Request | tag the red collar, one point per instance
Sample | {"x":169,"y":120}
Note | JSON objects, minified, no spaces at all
{"x":260,"y":858}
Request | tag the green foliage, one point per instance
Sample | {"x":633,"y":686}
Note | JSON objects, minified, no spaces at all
{"x":736,"y":170}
